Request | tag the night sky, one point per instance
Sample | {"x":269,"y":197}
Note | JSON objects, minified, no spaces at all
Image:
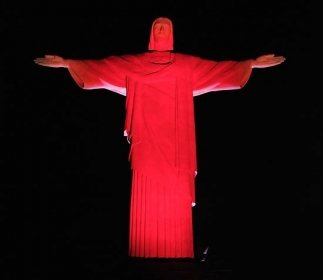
{"x":65,"y":181}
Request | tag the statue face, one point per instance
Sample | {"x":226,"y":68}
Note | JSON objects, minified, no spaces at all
{"x":162,"y":30}
{"x":161,"y":35}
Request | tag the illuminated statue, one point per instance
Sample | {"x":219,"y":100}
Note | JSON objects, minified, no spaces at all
{"x":159,"y":86}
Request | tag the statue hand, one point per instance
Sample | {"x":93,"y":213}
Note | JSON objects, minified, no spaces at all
{"x":268,"y":60}
{"x":54,"y":61}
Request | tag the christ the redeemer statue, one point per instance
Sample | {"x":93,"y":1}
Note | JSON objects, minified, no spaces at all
{"x":159,"y":86}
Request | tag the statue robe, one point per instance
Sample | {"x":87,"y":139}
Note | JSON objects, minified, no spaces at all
{"x":159,"y":124}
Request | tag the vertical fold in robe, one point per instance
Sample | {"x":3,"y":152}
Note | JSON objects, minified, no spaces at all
{"x":161,"y":222}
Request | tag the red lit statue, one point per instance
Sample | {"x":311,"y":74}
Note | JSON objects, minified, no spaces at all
{"x":159,"y":86}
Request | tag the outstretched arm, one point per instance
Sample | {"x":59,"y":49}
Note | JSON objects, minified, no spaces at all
{"x":54,"y":61}
{"x":227,"y":75}
{"x":268,"y":60}
{"x":108,"y":73}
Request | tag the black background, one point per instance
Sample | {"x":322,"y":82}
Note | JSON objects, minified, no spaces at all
{"x":65,"y":183}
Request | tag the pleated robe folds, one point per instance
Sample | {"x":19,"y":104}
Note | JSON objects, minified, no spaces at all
{"x":159,"y":125}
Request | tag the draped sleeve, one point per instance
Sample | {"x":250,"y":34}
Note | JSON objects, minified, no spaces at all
{"x":109,"y":73}
{"x":210,"y":75}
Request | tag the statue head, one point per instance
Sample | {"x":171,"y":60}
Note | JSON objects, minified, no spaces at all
{"x":161,"y":35}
